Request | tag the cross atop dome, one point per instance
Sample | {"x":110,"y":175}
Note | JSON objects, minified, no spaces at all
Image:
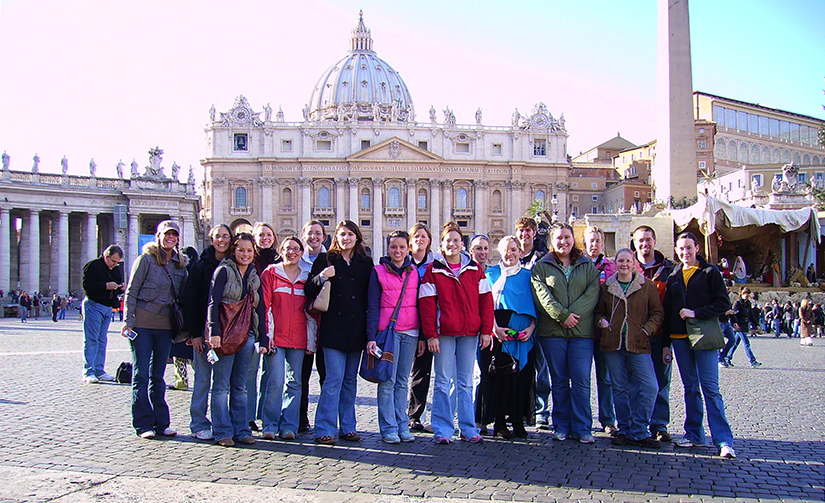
{"x":361,"y":37}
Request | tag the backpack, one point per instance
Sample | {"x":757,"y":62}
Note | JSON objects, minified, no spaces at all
{"x":123,"y":374}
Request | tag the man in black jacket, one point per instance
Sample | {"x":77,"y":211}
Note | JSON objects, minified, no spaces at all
{"x":102,"y":282}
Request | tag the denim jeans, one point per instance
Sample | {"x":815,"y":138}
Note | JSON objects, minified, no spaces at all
{"x":604,"y":388}
{"x":796,"y":324}
{"x":777,"y":328}
{"x":150,"y":350}
{"x":96,"y":320}
{"x":280,"y":407}
{"x":699,"y":370}
{"x":454,"y":366}
{"x":730,"y":340}
{"x":743,"y":338}
{"x":254,"y":396}
{"x":229,"y":394}
{"x":634,"y":390}
{"x":392,"y":394}
{"x":198,"y":420}
{"x":542,"y":386}
{"x":660,"y":418}
{"x":570,"y":361}
{"x":335,"y":413}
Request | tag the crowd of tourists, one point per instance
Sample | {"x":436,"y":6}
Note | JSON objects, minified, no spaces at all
{"x":253,"y":313}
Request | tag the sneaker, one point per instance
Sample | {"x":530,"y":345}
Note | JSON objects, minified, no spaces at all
{"x":105,"y":377}
{"x":685,"y":443}
{"x":648,"y":443}
{"x":253,"y":425}
{"x":248,"y":440}
{"x":269,"y":435}
{"x":287,"y":435}
{"x":416,"y":426}
{"x":326,"y":440}
{"x":203,"y":435}
{"x":443,"y":441}
{"x":475,"y":439}
{"x":663,"y":436}
{"x":756,"y":364}
{"x":148,"y":434}
{"x":391,"y":438}
{"x":561,"y":437}
{"x":585,"y":439}
{"x":168,"y":432}
{"x":611,"y":430}
{"x":91,"y":380}
{"x":621,"y":439}
{"x":351,"y":437}
{"x":406,"y":437}
{"x":226,"y":442}
{"x":730,"y":363}
{"x":723,"y":365}
{"x":727,"y":452}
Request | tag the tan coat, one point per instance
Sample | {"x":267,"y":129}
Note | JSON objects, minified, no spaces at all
{"x":639,"y":308}
{"x":806,"y":319}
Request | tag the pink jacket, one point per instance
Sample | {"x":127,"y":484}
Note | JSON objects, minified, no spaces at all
{"x":385,"y":287}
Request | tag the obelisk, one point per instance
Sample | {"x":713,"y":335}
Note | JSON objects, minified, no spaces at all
{"x":674,"y":169}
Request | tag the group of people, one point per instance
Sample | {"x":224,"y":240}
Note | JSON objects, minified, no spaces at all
{"x":533,"y":324}
{"x":803,"y":320}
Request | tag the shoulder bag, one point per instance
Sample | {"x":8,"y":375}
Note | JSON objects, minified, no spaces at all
{"x":235,"y":323}
{"x":179,"y":331}
{"x":379,"y":370}
{"x":704,"y":334}
{"x":321,"y":302}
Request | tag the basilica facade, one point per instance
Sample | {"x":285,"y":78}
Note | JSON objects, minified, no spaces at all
{"x":362,"y":151}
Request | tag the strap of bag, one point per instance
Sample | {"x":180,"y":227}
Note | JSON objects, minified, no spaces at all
{"x":394,"y":317}
{"x":171,"y":284}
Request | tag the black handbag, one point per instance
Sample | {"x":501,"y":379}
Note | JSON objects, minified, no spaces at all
{"x":503,"y":364}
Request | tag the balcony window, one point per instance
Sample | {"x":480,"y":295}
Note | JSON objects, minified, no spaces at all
{"x":540,"y":147}
{"x":323,"y":198}
{"x":241,"y":143}
{"x":394,"y":198}
{"x":461,"y":199}
{"x":240,"y":197}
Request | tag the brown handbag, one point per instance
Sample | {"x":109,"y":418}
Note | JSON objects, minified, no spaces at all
{"x":235,"y":322}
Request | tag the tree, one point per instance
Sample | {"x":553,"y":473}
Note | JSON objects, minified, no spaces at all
{"x":535,"y":209}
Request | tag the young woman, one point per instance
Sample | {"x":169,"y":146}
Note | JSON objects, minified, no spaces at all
{"x":266,"y":253}
{"x":286,"y":322}
{"x":25,"y":305}
{"x":695,"y":289}
{"x":342,"y":331}
{"x":503,"y":397}
{"x":456,"y":310}
{"x":566,"y":288}
{"x":480,"y":250}
{"x":806,"y":320}
{"x":313,"y":234}
{"x":386,"y":282}
{"x":628,"y":314}
{"x":421,"y":257}
{"x":743,"y":316}
{"x":234,"y":279}
{"x":195,"y":305}
{"x":156,"y":273}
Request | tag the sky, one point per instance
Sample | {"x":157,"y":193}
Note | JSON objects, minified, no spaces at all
{"x":109,"y":80}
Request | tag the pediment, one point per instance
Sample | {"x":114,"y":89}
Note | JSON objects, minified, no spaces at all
{"x":395,"y":149}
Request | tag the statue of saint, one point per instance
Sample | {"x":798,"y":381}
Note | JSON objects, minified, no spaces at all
{"x":175,"y":170}
{"x":6,"y":161}
{"x":120,"y":168}
{"x":516,"y":118}
{"x":134,"y":172}
{"x":280,"y":115}
{"x":64,"y":165}
{"x":92,"y":167}
{"x":306,"y":112}
{"x":36,"y":165}
{"x":267,"y":113}
{"x":432,"y":114}
{"x":212,"y":113}
{"x":191,"y":179}
{"x":478,"y":116}
{"x":376,"y":111}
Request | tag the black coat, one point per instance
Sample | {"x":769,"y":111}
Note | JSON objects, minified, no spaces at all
{"x":705,"y":294}
{"x":196,"y":292}
{"x":344,"y":325}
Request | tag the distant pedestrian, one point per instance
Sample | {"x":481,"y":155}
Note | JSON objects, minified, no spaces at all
{"x":36,"y":305}
{"x":25,"y":305}
{"x":64,"y":304}
{"x":55,"y":307}
{"x":743,"y":317}
{"x":102,"y":281}
{"x":806,"y":321}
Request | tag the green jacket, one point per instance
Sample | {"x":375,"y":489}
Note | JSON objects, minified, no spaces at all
{"x":556,"y":297}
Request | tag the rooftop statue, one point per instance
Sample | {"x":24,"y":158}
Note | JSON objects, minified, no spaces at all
{"x":212,"y":113}
{"x":36,"y":165}
{"x":134,"y":172}
{"x":432,"y":114}
{"x":516,"y":118}
{"x":267,"y":113}
{"x":175,"y":170}
{"x":64,"y":165}
{"x":154,"y":170}
{"x":119,"y":168}
{"x":6,"y":160}
{"x":191,"y":179}
{"x":478,"y":116}
{"x":92,"y":167}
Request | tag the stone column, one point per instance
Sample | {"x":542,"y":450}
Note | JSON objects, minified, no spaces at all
{"x":266,"y":184}
{"x":133,"y":249}
{"x":378,"y":219}
{"x":412,"y":204}
{"x":63,"y":253}
{"x":480,"y":218}
{"x":218,"y":204}
{"x":306,"y":208}
{"x":353,"y":199}
{"x":338,"y":203}
{"x":91,"y":237}
{"x":188,"y":232}
{"x":518,"y":203}
{"x":446,"y":202}
{"x":5,"y":249}
{"x":435,"y":207}
{"x":33,"y":243}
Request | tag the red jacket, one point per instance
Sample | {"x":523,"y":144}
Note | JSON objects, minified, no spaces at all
{"x":455,"y":305}
{"x":286,"y":320}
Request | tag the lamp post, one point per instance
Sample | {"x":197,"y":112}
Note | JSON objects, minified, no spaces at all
{"x":555,"y":201}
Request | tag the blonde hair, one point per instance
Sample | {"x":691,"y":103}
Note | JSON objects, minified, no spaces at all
{"x":260,"y":225}
{"x":505,"y":242}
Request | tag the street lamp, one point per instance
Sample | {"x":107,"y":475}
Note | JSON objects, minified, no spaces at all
{"x":555,"y":201}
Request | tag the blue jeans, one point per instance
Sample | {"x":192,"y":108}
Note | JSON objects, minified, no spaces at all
{"x":634,"y":390}
{"x":335,"y":413}
{"x":542,"y":386}
{"x":660,"y":418}
{"x":280,"y":407}
{"x":454,"y":365}
{"x":392,"y":394}
{"x":229,"y":393}
{"x":777,"y":328}
{"x":730,"y":340}
{"x":570,"y":361}
{"x":254,"y":396}
{"x":25,"y":313}
{"x":150,"y":350}
{"x":604,"y":388}
{"x":699,"y":370}
{"x":743,"y":338}
{"x":796,"y":324}
{"x":198,"y":420}
{"x":96,"y":320}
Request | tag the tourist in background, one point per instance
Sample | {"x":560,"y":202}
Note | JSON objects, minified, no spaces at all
{"x":25,"y":304}
{"x":158,"y":276}
{"x":456,"y":310}
{"x":421,"y":256}
{"x":806,"y":321}
{"x":743,"y":315}
{"x":102,"y":282}
{"x":343,"y":330}
{"x":195,"y":306}
{"x":313,"y":235}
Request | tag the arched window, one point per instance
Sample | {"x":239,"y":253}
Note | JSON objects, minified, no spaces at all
{"x":461,"y":199}
{"x":721,"y":149}
{"x":540,"y":196}
{"x":240,"y":197}
{"x":776,"y":155}
{"x":797,"y":158}
{"x":766,"y":155}
{"x":816,"y":160}
{"x":732,"y":151}
{"x":323,"y":198}
{"x":286,"y":198}
{"x":422,"y":199}
{"x":786,"y":155}
{"x":743,"y":152}
{"x":754,"y":154}
{"x":394,"y":198}
{"x":496,"y":199}
{"x":365,"y":198}
{"x":806,"y":159}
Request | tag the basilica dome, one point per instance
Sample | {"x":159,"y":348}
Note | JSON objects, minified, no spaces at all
{"x":360,"y":87}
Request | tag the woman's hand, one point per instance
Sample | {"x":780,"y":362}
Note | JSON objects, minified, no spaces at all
{"x":667,"y":355}
{"x":500,"y":333}
{"x":264,"y":350}
{"x":272,"y":343}
{"x":215,"y":342}
{"x":421,"y":347}
{"x":433,"y":346}
{"x":371,"y":345}
{"x":125,"y":331}
{"x":571,"y":321}
{"x":485,"y":341}
{"x":197,"y":344}
{"x":329,"y":271}
{"x":603,"y":323}
{"x":686,"y":313}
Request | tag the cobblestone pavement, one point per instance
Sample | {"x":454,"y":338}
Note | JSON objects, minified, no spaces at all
{"x":79,"y":436}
